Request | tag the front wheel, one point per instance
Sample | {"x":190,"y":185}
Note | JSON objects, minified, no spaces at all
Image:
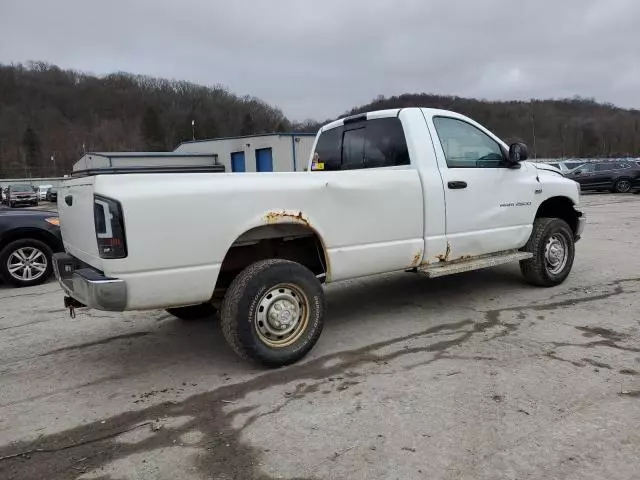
{"x":552,"y":244}
{"x":273,"y":312}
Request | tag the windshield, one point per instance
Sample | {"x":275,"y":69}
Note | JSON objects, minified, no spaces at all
{"x":21,"y":188}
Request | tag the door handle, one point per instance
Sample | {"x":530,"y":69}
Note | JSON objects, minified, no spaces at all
{"x":68,"y":200}
{"x":457,"y":185}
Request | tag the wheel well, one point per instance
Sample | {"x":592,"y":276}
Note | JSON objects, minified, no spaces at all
{"x":560,"y":207}
{"x":298,"y":243}
{"x":35,"y":233}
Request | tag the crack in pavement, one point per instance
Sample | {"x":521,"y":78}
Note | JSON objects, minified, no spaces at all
{"x":96,"y":442}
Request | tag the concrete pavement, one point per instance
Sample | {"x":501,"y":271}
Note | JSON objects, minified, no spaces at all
{"x":477,"y":376}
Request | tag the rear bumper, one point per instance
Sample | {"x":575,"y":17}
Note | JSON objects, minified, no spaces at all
{"x":89,"y":286}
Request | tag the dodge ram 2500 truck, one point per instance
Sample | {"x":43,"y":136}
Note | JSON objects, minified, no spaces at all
{"x":419,"y":190}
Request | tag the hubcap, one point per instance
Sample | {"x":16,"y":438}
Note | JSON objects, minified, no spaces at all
{"x":623,"y":186}
{"x":556,"y":254}
{"x":281,"y":316}
{"x":27,"y":264}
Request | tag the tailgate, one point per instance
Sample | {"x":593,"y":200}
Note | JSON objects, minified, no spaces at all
{"x":75,"y":209}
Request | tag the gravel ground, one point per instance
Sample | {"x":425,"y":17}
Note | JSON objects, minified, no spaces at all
{"x":477,"y":376}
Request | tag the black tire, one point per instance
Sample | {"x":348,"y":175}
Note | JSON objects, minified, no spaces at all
{"x":536,"y":270}
{"x":622,"y":185}
{"x":194,"y":312}
{"x":244,"y":304}
{"x":29,"y":244}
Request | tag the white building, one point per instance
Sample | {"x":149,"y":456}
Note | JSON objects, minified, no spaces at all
{"x":274,"y":152}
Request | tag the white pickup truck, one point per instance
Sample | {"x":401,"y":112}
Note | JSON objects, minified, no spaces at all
{"x":414,"y":189}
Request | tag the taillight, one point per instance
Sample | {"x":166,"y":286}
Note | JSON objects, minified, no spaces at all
{"x":107,"y":215}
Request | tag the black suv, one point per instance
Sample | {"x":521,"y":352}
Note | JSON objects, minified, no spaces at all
{"x":619,"y":177}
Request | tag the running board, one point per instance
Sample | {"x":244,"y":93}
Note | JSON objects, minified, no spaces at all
{"x":449,"y":268}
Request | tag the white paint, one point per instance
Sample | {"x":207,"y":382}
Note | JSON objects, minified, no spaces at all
{"x":180,"y":227}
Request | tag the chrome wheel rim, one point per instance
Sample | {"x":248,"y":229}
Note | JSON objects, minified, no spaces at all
{"x":623,"y":186}
{"x":556,"y":253}
{"x":281,"y":316}
{"x":27,"y":264}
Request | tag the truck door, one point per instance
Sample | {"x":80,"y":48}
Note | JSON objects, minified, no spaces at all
{"x":490,"y":205}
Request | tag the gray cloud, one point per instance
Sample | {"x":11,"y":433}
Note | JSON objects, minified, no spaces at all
{"x":320,"y":58}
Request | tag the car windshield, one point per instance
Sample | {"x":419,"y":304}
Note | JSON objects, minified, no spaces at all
{"x":21,"y":188}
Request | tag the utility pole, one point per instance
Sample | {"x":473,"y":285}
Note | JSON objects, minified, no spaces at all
{"x":193,"y":129}
{"x":53,"y":159}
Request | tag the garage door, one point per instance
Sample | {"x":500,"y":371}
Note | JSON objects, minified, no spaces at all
{"x":264,"y":160}
{"x":237,"y":162}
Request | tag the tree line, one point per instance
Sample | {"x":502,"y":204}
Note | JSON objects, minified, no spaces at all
{"x":47,"y":112}
{"x":50,"y":116}
{"x":577,"y":127}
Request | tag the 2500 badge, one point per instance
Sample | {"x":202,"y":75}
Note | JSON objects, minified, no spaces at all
{"x":518,"y":204}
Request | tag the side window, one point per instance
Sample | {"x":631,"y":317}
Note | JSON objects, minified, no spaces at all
{"x":369,"y":144}
{"x":603,"y":167}
{"x":588,"y":168}
{"x":467,"y":147}
{"x":328,"y":154}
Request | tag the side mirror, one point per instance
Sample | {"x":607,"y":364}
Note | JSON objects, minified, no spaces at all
{"x":578,"y":172}
{"x":518,"y":153}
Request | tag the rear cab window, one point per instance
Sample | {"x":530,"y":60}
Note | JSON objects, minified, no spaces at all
{"x":372,"y":143}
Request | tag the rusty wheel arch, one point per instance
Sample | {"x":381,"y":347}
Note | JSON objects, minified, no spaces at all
{"x":288,"y":237}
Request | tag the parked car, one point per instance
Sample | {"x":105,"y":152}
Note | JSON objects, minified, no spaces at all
{"x":618,"y":177}
{"x":28,"y":239}
{"x":52,"y":194}
{"x":42,"y":191}
{"x":412,"y":189}
{"x":21,"y":194}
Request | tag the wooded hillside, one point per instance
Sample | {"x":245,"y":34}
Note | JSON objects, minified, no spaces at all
{"x":551,"y":128}
{"x":46,"y":111}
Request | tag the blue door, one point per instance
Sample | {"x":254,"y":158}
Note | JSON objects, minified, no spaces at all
{"x":264,"y":160}
{"x":237,"y":162}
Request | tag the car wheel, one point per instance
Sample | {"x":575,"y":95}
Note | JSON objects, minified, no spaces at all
{"x":552,"y":244}
{"x":194,"y":312}
{"x":273,"y":312}
{"x":622,"y":186}
{"x":24,"y":263}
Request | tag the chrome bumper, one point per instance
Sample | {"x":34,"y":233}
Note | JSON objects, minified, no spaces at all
{"x":88,"y":286}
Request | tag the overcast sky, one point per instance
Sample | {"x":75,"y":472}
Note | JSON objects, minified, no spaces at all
{"x":318,"y":58}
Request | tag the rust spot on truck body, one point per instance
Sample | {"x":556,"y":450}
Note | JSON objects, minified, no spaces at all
{"x":417,"y":259}
{"x":279,"y":217}
{"x":445,"y":257}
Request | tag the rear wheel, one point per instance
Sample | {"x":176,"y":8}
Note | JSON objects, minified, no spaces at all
{"x":194,"y":312}
{"x":25,"y":263}
{"x":552,"y":244}
{"x":622,"y":186}
{"x":273,"y":312}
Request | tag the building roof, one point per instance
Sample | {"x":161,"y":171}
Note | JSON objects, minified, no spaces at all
{"x":147,"y":154}
{"x":283,"y":134}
